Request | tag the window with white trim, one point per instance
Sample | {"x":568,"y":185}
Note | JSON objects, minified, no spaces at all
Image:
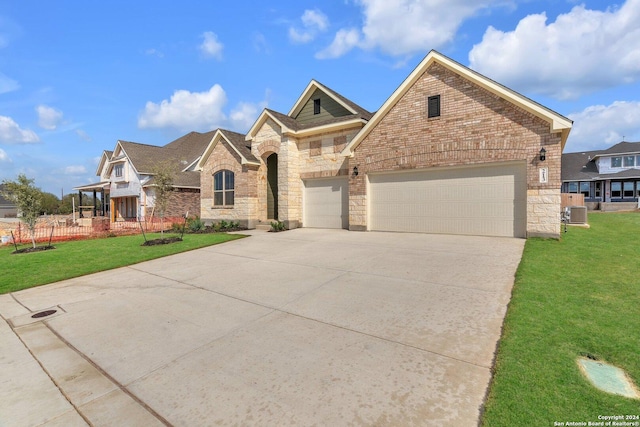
{"x":119,"y":170}
{"x":616,"y":162}
{"x":628,"y":161}
{"x":223,"y":188}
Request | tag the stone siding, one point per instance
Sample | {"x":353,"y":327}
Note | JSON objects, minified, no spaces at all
{"x":475,"y":127}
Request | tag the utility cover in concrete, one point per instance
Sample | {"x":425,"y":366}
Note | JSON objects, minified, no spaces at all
{"x":608,"y":378}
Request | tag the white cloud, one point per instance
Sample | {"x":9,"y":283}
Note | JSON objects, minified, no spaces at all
{"x":404,"y":27}
{"x":4,"y":157}
{"x":83,"y":135}
{"x":48,"y":118}
{"x":12,"y":133}
{"x":211,"y":47}
{"x":344,"y":41}
{"x":154,"y":52}
{"x":245,"y":114}
{"x":600,"y":126}
{"x":582,"y":51}
{"x":186,"y":110}
{"x":75,"y":170}
{"x":7,"y":84}
{"x":314,"y":22}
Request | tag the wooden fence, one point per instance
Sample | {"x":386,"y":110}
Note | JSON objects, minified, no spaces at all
{"x":571,"y":199}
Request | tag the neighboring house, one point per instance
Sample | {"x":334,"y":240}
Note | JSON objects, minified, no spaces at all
{"x":7,"y":208}
{"x":450,"y":151}
{"x":603,"y":176}
{"x":126,"y":175}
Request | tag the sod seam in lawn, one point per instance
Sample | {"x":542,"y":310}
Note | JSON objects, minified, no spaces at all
{"x":81,"y":257}
{"x":577,"y":296}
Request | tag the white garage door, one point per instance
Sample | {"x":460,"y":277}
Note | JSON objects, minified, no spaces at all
{"x":326,"y":203}
{"x":484,"y":201}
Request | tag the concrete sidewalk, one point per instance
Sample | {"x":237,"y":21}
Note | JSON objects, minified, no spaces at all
{"x":304,"y":327}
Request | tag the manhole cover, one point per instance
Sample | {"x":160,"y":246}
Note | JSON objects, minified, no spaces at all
{"x":608,"y":378}
{"x":43,"y":314}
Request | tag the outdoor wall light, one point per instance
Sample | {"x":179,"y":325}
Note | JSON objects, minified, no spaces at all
{"x":355,"y":171}
{"x":543,"y":154}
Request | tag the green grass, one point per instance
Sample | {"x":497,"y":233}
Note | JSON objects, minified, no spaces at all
{"x":576,"y":296}
{"x":77,"y":258}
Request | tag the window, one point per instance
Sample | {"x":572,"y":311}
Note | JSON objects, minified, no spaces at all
{"x":616,"y":162}
{"x":573,"y":187}
{"x":433,"y":106}
{"x":638,"y":189}
{"x":627,"y":188}
{"x":598,"y":189}
{"x":637,"y":160}
{"x":628,"y":161}
{"x":223,"y":188}
{"x":119,"y":169}
{"x":316,"y":106}
{"x":616,"y":189}
{"x":585,"y":189}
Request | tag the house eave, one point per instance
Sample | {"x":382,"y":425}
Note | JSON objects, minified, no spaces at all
{"x":557,"y":122}
{"x":333,"y":127}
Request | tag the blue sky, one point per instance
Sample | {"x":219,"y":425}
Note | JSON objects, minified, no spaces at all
{"x":76,"y":76}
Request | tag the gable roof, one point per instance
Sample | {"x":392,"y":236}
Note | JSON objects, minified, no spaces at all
{"x":557,"y":122}
{"x":621,"y":148}
{"x":582,"y":166}
{"x":315,"y":85}
{"x":180,"y":154}
{"x":579,"y":166}
{"x":289,"y":125}
{"x":236,"y":141}
{"x":3,"y":201}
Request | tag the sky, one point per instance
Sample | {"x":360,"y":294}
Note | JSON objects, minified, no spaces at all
{"x":77,"y":76}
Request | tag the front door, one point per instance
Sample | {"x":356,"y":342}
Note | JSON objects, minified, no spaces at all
{"x":272,"y":186}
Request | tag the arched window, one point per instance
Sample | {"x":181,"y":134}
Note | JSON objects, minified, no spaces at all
{"x":223,"y":188}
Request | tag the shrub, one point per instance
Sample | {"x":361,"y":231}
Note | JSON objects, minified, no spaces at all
{"x":195,"y":224}
{"x":277,"y":226}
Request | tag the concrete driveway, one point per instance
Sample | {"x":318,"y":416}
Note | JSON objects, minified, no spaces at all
{"x":305,"y":327}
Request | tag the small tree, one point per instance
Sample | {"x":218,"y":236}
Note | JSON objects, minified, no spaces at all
{"x":28,"y":200}
{"x":163,"y":186}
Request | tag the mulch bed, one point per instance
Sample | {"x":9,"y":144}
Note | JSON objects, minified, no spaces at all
{"x":163,"y":241}
{"x":32,"y":249}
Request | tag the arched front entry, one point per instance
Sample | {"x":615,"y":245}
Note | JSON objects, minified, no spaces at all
{"x":272,"y":186}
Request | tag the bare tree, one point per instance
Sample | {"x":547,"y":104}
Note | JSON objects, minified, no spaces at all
{"x":28,"y":200}
{"x":163,"y":187}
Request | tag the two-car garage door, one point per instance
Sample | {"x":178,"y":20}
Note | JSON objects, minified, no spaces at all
{"x":485,"y":200}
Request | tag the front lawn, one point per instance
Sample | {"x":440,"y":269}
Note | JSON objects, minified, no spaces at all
{"x":579,"y":296}
{"x":77,"y":258}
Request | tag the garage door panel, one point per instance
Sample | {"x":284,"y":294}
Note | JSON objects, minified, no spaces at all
{"x":326,"y":203}
{"x":474,"y":200}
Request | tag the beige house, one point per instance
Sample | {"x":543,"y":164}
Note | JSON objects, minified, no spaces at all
{"x":450,"y":151}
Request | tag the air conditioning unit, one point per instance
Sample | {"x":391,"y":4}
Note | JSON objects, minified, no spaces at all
{"x":578,"y":215}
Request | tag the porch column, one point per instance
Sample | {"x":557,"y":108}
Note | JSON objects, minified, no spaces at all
{"x":80,"y":204}
{"x":95,"y":203}
{"x":103,"y":207}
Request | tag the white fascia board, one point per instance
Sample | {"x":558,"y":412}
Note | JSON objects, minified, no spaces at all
{"x":260,"y":121}
{"x":557,"y":123}
{"x":333,"y":127}
{"x":306,"y":95}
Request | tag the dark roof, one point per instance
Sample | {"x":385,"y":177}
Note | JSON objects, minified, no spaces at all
{"x":240,"y":143}
{"x":582,"y":166}
{"x":3,"y":201}
{"x":622,"y":148}
{"x":579,"y":166}
{"x":295,"y":125}
{"x":179,"y":154}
